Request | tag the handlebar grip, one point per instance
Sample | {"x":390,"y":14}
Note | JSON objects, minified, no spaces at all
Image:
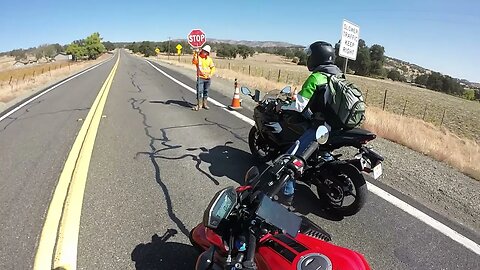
{"x":309,"y":151}
{"x":252,"y":246}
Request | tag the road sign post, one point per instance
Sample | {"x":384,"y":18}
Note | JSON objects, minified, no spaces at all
{"x":179,"y":50}
{"x":349,"y":41}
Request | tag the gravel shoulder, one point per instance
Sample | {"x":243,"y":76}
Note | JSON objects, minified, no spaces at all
{"x":433,"y":184}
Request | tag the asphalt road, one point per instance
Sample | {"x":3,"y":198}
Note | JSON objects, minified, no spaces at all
{"x":155,"y":166}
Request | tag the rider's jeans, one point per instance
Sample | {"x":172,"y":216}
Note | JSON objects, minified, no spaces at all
{"x":305,"y":141}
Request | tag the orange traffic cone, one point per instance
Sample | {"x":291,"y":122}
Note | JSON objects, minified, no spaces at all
{"x":236,"y":98}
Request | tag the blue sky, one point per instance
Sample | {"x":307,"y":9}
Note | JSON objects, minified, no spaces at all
{"x":440,"y":35}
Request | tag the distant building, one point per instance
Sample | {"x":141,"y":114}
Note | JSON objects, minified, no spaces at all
{"x":62,"y":57}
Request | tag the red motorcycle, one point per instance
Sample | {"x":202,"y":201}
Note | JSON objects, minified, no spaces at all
{"x":245,"y":228}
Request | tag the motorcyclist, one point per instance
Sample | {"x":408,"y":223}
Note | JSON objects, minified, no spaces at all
{"x":314,"y":93}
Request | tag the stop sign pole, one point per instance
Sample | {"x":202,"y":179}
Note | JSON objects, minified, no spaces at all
{"x":196,"y":38}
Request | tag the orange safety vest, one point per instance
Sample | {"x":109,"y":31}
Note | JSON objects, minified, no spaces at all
{"x":205,"y":66}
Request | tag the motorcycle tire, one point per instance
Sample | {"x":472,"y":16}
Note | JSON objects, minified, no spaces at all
{"x":338,"y":172}
{"x":253,"y":144}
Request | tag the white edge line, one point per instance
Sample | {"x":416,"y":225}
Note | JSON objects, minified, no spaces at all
{"x":447,"y":231}
{"x":50,"y":89}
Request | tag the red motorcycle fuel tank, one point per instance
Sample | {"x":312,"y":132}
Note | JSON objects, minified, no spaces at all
{"x":282,"y":252}
{"x":304,"y":253}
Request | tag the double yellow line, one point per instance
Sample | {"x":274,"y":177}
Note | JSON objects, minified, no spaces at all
{"x":57,"y":248}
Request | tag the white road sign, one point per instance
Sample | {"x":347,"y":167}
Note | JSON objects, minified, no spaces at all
{"x":349,"y":41}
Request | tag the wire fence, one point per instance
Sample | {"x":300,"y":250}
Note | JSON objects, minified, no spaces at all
{"x":14,"y":77}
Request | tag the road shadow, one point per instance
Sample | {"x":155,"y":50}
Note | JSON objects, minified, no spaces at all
{"x":181,"y":103}
{"x":224,"y":160}
{"x":227,"y":161}
{"x":306,"y":202}
{"x":161,"y":254}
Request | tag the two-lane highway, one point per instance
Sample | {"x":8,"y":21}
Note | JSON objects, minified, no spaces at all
{"x":34,"y":144}
{"x":154,"y":167}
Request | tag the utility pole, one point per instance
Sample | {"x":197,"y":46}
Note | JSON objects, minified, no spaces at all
{"x":169,"y":48}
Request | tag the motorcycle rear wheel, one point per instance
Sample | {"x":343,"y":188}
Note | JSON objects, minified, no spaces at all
{"x":261,"y":151}
{"x":338,"y":178}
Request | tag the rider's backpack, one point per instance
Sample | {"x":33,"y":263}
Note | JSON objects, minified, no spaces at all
{"x":345,"y":103}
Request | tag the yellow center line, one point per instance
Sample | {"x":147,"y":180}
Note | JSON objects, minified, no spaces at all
{"x":57,"y":247}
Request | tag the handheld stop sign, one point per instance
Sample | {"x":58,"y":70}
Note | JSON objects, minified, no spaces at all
{"x":196,"y":38}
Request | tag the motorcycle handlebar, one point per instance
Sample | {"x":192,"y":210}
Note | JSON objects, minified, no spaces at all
{"x":252,"y":245}
{"x":309,"y":151}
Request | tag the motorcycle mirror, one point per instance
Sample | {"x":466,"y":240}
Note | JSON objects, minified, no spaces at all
{"x":286,"y":90}
{"x":251,"y":175}
{"x":245,"y":90}
{"x":322,"y":134}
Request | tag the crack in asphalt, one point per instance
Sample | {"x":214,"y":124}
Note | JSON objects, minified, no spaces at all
{"x":136,"y":106}
{"x":132,"y":80}
{"x":27,"y":110}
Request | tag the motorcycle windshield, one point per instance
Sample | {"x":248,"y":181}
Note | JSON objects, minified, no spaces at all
{"x":276,"y":215}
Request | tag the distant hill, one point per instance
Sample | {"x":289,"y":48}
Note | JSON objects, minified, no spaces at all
{"x":250,"y":43}
{"x":411,"y":71}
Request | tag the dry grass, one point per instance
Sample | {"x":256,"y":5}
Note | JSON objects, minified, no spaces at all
{"x":433,"y":140}
{"x":462,"y":117}
{"x":19,"y":86}
{"x":436,"y":142}
{"x":6,"y":62}
{"x":20,"y":74}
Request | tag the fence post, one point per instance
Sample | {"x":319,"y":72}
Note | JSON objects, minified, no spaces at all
{"x":385,"y":99}
{"x":11,"y":78}
{"x":228,"y":65}
{"x":279,"y":73}
{"x":424,"y":112}
{"x":404,"y":107}
{"x":23,"y":79}
{"x":268,"y":78}
{"x":42,"y":70}
{"x":443,"y":116}
{"x":49,"y":71}
{"x":249,"y":70}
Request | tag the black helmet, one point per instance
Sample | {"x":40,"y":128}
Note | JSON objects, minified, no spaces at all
{"x":320,"y":53}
